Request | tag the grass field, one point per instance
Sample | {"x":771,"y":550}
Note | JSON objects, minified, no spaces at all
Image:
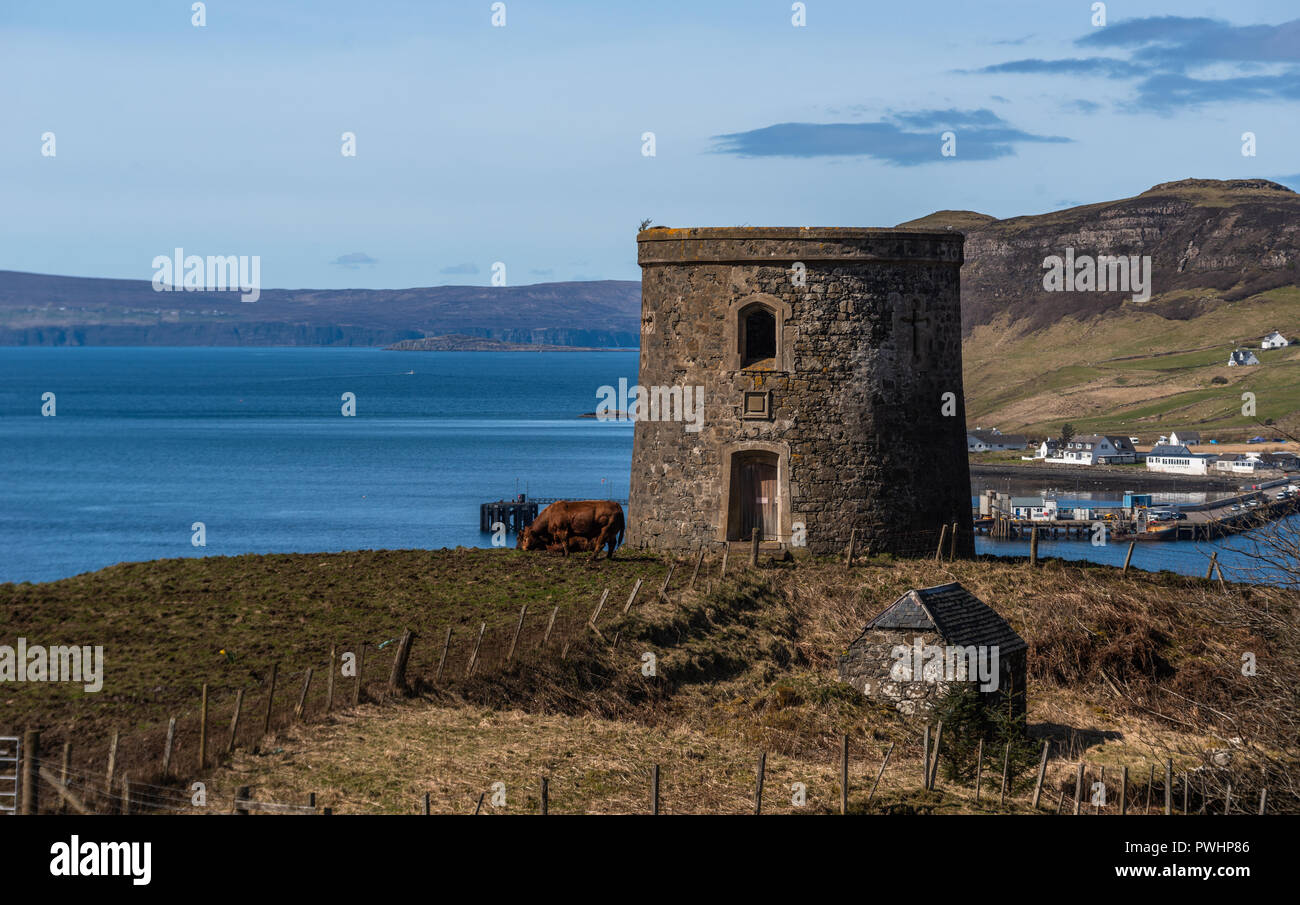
{"x":1137,"y":373}
{"x":1124,"y":671}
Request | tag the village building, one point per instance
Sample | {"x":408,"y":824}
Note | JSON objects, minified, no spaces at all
{"x":1242,"y":357}
{"x":1040,"y":509}
{"x":1096,"y":449}
{"x":1048,"y":449}
{"x":1274,"y":340}
{"x":1169,"y":459}
{"x":1236,"y":463}
{"x":1185,"y":438}
{"x":984,"y":440}
{"x":829,"y":361}
{"x":930,"y":640}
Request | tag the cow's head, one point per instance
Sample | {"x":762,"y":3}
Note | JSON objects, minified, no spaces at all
{"x":528,"y":540}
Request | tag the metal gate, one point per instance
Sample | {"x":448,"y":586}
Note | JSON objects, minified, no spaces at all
{"x":8,"y":774}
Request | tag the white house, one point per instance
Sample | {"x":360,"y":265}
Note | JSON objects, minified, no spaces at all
{"x":1185,"y":438}
{"x":1095,"y":449}
{"x":1035,"y":508}
{"x":1179,"y":460}
{"x":1237,"y":464}
{"x":1274,"y":340}
{"x":1242,"y":357}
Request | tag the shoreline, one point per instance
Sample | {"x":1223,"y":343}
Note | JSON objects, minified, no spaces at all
{"x":1108,"y":477}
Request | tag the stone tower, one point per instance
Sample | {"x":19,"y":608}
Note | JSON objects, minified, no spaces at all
{"x":826,"y":358}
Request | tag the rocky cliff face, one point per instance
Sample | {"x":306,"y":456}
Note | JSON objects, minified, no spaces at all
{"x":1208,"y":240}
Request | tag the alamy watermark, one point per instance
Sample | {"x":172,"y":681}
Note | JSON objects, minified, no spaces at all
{"x":655,"y":403}
{"x":60,"y":663}
{"x":1104,"y":273}
{"x":215,"y":273}
{"x":945,"y":663}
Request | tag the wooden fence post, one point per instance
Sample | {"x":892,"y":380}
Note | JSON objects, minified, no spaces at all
{"x":853,"y":542}
{"x":203,"y":729}
{"x":979,"y":768}
{"x":1078,"y":789}
{"x":64,"y":769}
{"x":427,"y":808}
{"x":654,"y":790}
{"x":519,"y":627}
{"x":758,"y":790}
{"x":934,"y":766}
{"x":30,"y":802}
{"x":546,"y":795}
{"x":473,"y":657}
{"x":301,"y":707}
{"x":1042,"y":771}
{"x":112,"y":764}
{"x":663,"y":588}
{"x":361,"y":663}
{"x":1209,"y":570}
{"x":446,"y":643}
{"x":844,"y":774}
{"x":234,"y":720}
{"x":1123,"y":791}
{"x":952,"y":550}
{"x":631,"y":599}
{"x":1169,"y":786}
{"x":943,"y":536}
{"x":1151,"y":781}
{"x":167,"y":748}
{"x":1128,"y":557}
{"x":884,"y":763}
{"x":1033,"y":546}
{"x":1186,"y":792}
{"x":270,"y":697}
{"x":696,"y":571}
{"x":397,"y":678}
{"x":1263,"y":800}
{"x":329,"y":684}
{"x":925,"y":758}
{"x":753,"y":549}
{"x":241,"y":796}
{"x":599,"y":606}
{"x":126,"y":794}
{"x":1006,"y":764}
{"x":726,"y":551}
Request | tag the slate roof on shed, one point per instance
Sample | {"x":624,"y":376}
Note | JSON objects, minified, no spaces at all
{"x":958,"y":616}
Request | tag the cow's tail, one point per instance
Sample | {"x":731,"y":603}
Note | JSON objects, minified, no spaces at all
{"x":622,"y":523}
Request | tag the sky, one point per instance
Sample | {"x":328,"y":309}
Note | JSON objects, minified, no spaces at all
{"x":525,"y":143}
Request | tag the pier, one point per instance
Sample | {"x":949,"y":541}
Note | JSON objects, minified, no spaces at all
{"x":1206,"y":521}
{"x":518,"y":513}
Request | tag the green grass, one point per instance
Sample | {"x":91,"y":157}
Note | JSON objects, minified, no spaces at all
{"x":164,"y":624}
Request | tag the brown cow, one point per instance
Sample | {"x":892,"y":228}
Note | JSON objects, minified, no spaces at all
{"x":563,"y":522}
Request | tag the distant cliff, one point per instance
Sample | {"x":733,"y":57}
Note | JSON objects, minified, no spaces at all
{"x":37,"y":309}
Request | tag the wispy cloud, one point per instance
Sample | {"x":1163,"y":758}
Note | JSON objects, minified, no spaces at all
{"x":354,"y":261}
{"x":1164,"y":51}
{"x":900,"y":139}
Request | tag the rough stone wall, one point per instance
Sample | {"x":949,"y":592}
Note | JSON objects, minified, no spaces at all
{"x":869,"y":660}
{"x":869,"y":346}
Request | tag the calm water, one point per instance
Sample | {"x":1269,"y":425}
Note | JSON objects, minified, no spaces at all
{"x":252,"y":443}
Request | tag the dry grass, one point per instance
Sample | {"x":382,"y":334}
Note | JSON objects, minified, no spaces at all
{"x":1124,"y":671}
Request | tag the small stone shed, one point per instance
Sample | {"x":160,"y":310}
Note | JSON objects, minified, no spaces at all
{"x":894,"y":657}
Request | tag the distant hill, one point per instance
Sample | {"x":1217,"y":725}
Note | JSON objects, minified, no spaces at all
{"x":1225,"y":269}
{"x":42,"y":310}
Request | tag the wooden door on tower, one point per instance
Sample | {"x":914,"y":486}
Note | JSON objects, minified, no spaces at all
{"x":757,"y":498}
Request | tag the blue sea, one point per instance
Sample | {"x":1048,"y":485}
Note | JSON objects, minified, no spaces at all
{"x":252,"y":442}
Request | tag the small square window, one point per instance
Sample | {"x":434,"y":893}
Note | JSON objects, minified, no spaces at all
{"x":757,"y":406}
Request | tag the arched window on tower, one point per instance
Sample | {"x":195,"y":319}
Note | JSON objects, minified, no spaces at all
{"x":757,"y":335}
